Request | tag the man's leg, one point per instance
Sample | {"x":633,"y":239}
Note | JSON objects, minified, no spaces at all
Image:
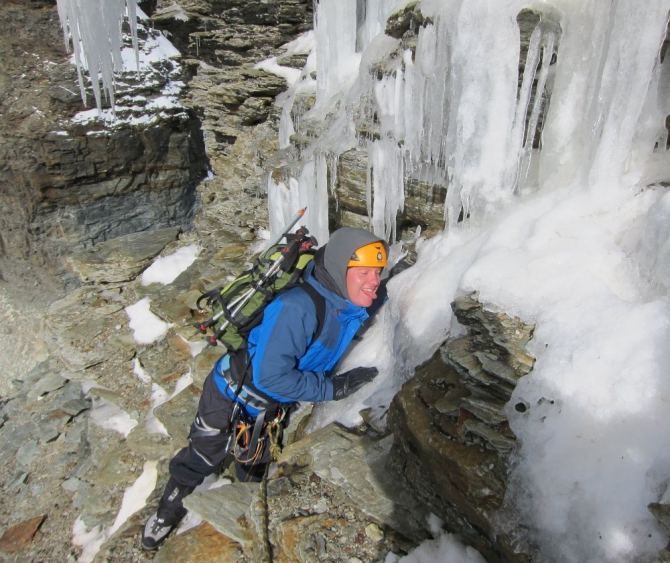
{"x":206,"y":451}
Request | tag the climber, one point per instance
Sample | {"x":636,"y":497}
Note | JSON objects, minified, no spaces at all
{"x":291,"y":356}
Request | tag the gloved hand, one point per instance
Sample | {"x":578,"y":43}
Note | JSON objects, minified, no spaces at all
{"x":344,"y":384}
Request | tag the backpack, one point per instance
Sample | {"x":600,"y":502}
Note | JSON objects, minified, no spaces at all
{"x":239,"y":306}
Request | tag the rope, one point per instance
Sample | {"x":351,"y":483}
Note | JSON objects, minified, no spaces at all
{"x":275,"y":447}
{"x":274,"y":430}
{"x":266,"y":556}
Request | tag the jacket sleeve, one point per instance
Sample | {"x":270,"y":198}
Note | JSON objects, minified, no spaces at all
{"x":281,"y":340}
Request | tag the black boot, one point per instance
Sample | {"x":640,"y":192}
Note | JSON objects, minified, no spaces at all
{"x":170,"y":512}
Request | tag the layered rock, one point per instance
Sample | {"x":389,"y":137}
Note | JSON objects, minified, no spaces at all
{"x":71,"y":179}
{"x":82,"y":427}
{"x":222,"y":42}
{"x":330,"y":497}
{"x":452,"y":440}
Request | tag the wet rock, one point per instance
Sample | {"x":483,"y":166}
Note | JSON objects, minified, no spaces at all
{"x":662,"y":513}
{"x":424,"y":200}
{"x":406,"y":22}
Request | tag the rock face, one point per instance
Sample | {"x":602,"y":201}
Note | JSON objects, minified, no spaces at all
{"x":82,"y":426}
{"x":221,"y":42}
{"x":69,"y":183}
{"x":452,"y":441}
{"x":336,"y":493}
{"x":120,"y":259}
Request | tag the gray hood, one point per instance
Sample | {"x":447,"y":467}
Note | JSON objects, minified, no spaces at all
{"x":333,"y":258}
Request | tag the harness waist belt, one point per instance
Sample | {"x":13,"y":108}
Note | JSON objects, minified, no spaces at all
{"x":245,"y":395}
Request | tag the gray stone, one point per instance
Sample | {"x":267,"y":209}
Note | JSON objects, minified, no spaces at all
{"x":491,"y":438}
{"x":83,"y":341}
{"x":122,"y":258}
{"x":49,"y":383}
{"x":71,"y":484}
{"x":355,"y":464}
{"x":73,"y":407}
{"x":227,"y":509}
{"x":151,"y":446}
{"x":178,"y":414}
{"x":27,"y":453}
{"x":17,"y":482}
{"x":452,"y":439}
{"x":51,"y":428}
{"x":489,"y":411}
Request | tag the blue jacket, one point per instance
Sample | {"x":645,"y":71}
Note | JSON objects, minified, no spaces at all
{"x":286,"y":364}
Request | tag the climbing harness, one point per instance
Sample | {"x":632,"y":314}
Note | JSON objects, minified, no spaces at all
{"x":252,"y":436}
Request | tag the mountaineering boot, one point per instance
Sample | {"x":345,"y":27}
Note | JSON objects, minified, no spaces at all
{"x":155,"y":532}
{"x":170,"y":512}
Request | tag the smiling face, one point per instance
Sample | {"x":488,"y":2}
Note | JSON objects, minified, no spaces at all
{"x":362,"y":284}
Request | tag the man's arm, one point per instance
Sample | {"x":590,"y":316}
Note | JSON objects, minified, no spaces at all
{"x":281,"y":340}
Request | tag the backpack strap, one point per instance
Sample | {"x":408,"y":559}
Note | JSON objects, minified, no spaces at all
{"x":240,"y":363}
{"x":320,"y":306}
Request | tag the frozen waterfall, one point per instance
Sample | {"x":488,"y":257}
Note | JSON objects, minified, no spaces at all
{"x":555,"y":174}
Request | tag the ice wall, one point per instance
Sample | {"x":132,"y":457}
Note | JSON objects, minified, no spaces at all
{"x":564,"y":229}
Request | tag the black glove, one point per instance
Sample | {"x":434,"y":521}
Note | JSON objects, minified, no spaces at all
{"x":344,"y":384}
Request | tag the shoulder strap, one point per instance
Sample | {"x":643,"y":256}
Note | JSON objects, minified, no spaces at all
{"x":320,"y":305}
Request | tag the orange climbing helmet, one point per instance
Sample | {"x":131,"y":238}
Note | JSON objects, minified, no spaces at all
{"x":371,"y":255}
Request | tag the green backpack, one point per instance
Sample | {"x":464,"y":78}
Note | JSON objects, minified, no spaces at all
{"x":238,"y":307}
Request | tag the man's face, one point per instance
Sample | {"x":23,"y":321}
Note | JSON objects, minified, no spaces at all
{"x":362,"y":285}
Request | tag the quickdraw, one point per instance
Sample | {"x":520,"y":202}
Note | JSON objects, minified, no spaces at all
{"x":250,"y":438}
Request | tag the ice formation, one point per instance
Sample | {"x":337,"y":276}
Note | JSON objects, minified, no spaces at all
{"x":564,"y":226}
{"x":94,"y":27}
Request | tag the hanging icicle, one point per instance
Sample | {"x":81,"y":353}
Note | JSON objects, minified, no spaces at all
{"x":94,"y":28}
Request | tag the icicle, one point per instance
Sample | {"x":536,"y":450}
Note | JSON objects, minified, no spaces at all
{"x":279,"y":205}
{"x":332,"y":183}
{"x":387,"y":172}
{"x":95,"y":29}
{"x":543,"y":40}
{"x":483,"y":66}
{"x":519,"y":128}
{"x":373,"y":16}
{"x":310,"y":190}
{"x":335,"y":31}
{"x":626,"y":77}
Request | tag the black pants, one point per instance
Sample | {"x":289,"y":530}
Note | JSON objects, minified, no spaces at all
{"x":206,"y":451}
